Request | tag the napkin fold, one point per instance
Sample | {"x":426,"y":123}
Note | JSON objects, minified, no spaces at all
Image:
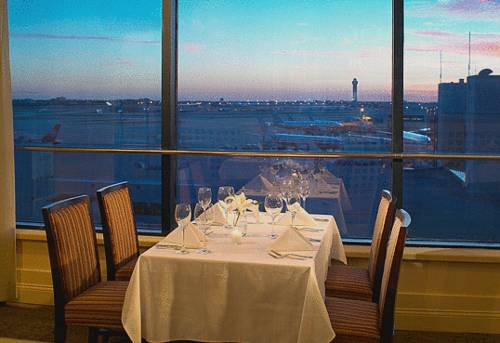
{"x":291,"y":240}
{"x":193,"y":238}
{"x":302,"y":218}
{"x":218,"y":215}
{"x":255,"y":212}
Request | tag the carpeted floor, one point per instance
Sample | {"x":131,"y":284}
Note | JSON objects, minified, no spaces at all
{"x":34,"y":323}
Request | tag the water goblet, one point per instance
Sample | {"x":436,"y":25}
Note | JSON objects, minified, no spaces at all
{"x":183,"y":218}
{"x":225,"y":196}
{"x":273,"y":203}
{"x":293,"y":205}
{"x":205,"y":196}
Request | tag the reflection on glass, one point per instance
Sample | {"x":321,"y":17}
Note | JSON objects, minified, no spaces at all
{"x":347,"y":189}
{"x":43,"y":178}
{"x":448,"y":205}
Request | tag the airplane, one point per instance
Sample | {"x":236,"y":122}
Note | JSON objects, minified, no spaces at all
{"x":50,"y":137}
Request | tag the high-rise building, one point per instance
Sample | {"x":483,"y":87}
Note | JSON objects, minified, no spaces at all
{"x":355,"y":90}
{"x":468,"y":122}
{"x":482,"y":126}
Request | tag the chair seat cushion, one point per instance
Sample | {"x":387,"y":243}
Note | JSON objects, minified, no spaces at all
{"x":125,"y":272}
{"x":353,"y":320}
{"x":99,"y":306}
{"x":348,"y":282}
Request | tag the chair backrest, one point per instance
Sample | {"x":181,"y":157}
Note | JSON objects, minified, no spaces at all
{"x":381,"y":231}
{"x":72,"y":246}
{"x":119,"y":228}
{"x":389,"y":286}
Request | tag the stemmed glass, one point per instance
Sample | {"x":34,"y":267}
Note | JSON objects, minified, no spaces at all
{"x":183,"y":218}
{"x":225,"y":196}
{"x":203,"y":217}
{"x":273,"y":205}
{"x":293,"y":205}
{"x":205,"y":196}
{"x":305,"y":190}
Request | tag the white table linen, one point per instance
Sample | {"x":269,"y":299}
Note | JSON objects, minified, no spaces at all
{"x":237,"y":293}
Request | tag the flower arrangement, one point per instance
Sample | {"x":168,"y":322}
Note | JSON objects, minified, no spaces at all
{"x":241,"y":204}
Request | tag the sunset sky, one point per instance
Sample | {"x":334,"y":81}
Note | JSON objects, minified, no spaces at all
{"x":239,"y":49}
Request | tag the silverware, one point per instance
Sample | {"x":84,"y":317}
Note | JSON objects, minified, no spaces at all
{"x":321,"y":219}
{"x":310,"y":229}
{"x":317,"y":240}
{"x":167,"y":246}
{"x":277,"y":254}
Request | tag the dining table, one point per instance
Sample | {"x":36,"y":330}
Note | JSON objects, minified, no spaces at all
{"x":235,"y":292}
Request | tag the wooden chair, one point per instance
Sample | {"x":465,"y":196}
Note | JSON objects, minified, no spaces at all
{"x":364,"y":321}
{"x":121,"y":242}
{"x":360,"y":283}
{"x":80,"y":298}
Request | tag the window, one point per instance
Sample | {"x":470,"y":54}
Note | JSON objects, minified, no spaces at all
{"x":453,"y":95}
{"x":264,"y":82}
{"x":86,"y":74}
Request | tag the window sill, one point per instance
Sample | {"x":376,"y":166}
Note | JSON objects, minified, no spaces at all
{"x":459,"y":255}
{"x":463,"y":255}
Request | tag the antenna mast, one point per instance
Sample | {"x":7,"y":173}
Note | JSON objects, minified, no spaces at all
{"x":469,"y":54}
{"x":441,"y":66}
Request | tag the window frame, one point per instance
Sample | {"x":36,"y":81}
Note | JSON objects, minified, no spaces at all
{"x":169,"y":151}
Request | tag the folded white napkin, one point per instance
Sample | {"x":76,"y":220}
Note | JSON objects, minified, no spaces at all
{"x":218,"y":215}
{"x":291,"y":240}
{"x":193,"y":238}
{"x":302,"y":218}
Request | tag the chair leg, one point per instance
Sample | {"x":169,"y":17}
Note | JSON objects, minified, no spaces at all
{"x":92,"y":335}
{"x":60,"y":333}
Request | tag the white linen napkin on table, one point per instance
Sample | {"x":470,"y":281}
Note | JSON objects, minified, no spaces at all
{"x":302,"y":218}
{"x":291,"y":240}
{"x":193,"y":238}
{"x":219,"y":218}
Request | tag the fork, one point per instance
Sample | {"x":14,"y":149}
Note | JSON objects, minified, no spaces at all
{"x":276,"y":254}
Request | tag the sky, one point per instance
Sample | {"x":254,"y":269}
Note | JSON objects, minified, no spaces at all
{"x":246,"y":49}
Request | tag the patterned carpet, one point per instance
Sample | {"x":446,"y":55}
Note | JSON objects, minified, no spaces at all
{"x":29,"y":324}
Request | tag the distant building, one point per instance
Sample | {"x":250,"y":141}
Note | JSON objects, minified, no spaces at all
{"x":355,"y":90}
{"x":482,"y":121}
{"x":469,"y":122}
{"x":451,"y":117}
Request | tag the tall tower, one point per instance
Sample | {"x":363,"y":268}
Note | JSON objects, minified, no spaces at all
{"x":355,"y":90}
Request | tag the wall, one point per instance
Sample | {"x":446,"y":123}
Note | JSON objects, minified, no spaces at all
{"x":454,"y":290}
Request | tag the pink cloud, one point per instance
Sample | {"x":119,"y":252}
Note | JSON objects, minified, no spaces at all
{"x":434,"y":33}
{"x":192,"y":48}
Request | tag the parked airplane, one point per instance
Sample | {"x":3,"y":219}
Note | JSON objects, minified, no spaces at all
{"x":50,"y":137}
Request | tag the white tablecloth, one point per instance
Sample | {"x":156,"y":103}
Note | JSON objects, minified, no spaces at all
{"x":237,"y":293}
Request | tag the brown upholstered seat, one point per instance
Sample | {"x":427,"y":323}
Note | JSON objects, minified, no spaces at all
{"x":99,"y":306}
{"x":354,"y":321}
{"x":80,"y":297}
{"x":124,"y":273}
{"x":365,"y":321}
{"x":121,"y":242}
{"x":361,"y":283}
{"x":349,"y":282}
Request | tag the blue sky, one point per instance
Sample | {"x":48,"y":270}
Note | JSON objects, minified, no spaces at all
{"x":242,"y":49}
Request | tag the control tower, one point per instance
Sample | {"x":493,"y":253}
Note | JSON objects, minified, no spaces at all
{"x":355,"y":90}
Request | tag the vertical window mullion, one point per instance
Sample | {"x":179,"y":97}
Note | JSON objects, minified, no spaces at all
{"x":397,"y":97}
{"x":169,"y":104}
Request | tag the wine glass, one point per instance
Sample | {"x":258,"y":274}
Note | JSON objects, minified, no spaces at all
{"x":273,"y":205}
{"x":183,"y":218}
{"x":205,"y":196}
{"x":225,"y":196}
{"x":305,"y":190}
{"x":203,"y":217}
{"x":293,"y":205}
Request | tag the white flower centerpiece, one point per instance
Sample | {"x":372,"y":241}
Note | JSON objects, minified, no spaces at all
{"x":241,"y":204}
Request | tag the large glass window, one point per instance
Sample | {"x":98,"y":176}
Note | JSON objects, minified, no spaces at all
{"x":452,"y":95}
{"x":273,"y":76}
{"x":86,"y":74}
